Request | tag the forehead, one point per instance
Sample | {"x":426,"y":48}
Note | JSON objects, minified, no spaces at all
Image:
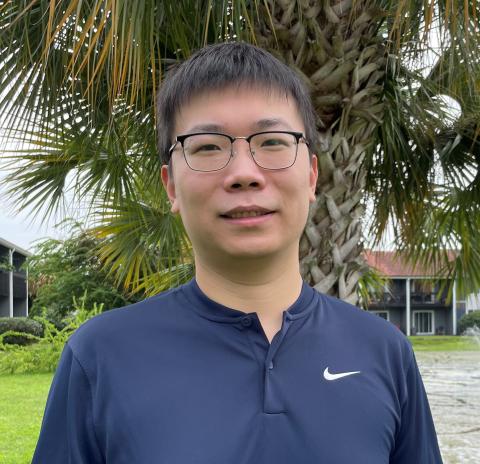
{"x":243,"y":107}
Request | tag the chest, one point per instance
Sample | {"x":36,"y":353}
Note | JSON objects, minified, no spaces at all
{"x":243,"y":400}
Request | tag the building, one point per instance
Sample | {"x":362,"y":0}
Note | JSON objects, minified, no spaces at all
{"x":473,"y":302}
{"x":411,"y":301}
{"x":13,"y":280}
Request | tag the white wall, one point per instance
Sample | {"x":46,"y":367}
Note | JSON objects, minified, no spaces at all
{"x":473,"y":302}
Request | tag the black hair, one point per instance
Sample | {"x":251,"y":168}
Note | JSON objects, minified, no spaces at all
{"x":220,"y":66}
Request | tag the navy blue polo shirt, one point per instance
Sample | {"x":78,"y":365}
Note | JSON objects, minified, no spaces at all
{"x":181,"y":379}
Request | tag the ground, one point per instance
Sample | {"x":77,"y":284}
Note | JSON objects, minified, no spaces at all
{"x":452,"y":382}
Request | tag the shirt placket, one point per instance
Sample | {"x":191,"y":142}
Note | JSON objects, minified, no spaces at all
{"x":266,"y":355}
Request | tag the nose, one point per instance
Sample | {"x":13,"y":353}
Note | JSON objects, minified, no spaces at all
{"x":242,"y":172}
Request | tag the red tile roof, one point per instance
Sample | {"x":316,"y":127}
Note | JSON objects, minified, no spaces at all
{"x":390,"y":264}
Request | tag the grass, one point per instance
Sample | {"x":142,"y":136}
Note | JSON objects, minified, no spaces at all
{"x":22,"y":402}
{"x":444,"y":343}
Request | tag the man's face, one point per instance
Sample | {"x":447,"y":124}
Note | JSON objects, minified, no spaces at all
{"x":205,"y":199}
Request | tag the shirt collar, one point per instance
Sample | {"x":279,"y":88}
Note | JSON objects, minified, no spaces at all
{"x":206,"y":307}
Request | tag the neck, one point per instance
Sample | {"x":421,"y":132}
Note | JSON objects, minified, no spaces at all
{"x":266,"y":286}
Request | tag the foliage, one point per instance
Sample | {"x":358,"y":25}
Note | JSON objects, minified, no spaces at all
{"x":80,"y":79}
{"x":423,"y":171}
{"x":22,"y":325}
{"x":371,"y":286}
{"x":62,"y":269}
{"x":470,"y":320}
{"x":44,"y":355}
{"x":142,"y":245}
{"x":5,"y":265}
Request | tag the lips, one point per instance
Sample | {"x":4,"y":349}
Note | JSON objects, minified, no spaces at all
{"x":246,"y":212}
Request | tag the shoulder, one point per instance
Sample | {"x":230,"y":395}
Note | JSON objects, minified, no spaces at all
{"x":121,"y":324}
{"x":364,"y":330}
{"x":340,"y":312}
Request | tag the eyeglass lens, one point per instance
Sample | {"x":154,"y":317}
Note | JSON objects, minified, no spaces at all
{"x":211,"y":152}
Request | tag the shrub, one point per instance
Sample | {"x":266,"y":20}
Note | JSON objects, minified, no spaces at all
{"x":469,"y":320}
{"x":60,"y":269}
{"x":24,"y":326}
{"x":44,"y":355}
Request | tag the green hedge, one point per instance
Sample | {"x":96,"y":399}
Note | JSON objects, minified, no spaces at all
{"x":24,"y":325}
{"x":469,"y":320}
{"x":42,"y":356}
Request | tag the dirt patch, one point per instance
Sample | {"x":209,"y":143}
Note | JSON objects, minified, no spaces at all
{"x":452,"y":382}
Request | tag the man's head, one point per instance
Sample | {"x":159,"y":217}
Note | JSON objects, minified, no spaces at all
{"x":237,"y":90}
{"x":216,"y":67}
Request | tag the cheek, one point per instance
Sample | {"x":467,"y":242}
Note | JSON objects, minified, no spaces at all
{"x":297,"y":191}
{"x":193,"y":202}
{"x":297,"y":204}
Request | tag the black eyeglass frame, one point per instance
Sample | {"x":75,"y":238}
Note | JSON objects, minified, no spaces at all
{"x":299,"y":137}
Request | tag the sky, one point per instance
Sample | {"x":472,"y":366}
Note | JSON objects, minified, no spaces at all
{"x":19,"y":227}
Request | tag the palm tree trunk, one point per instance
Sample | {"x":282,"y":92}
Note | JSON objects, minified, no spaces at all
{"x":334,"y":45}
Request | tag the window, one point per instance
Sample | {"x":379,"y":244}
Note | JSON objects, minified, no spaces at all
{"x":383,"y":314}
{"x":423,"y":322}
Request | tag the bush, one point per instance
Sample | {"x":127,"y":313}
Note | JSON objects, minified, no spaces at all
{"x":469,"y":320}
{"x":24,"y":326}
{"x":44,"y":355}
{"x":60,"y":269}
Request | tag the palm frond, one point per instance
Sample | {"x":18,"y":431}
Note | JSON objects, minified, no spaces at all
{"x":104,"y":50}
{"x":447,"y":238}
{"x":71,"y":155}
{"x":141,"y":239}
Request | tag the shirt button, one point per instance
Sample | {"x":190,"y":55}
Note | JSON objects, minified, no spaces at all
{"x":246,"y":321}
{"x":270,"y":366}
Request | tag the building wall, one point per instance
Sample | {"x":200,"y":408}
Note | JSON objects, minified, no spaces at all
{"x":473,"y":302}
{"x":397,"y":318}
{"x":19,"y":307}
{"x":4,"y":306}
{"x":20,"y":294}
{"x":443,"y":319}
{"x":421,"y":300}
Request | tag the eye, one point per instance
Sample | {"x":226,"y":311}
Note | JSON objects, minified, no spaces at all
{"x":206,"y":147}
{"x":206,"y":144}
{"x":273,"y":141}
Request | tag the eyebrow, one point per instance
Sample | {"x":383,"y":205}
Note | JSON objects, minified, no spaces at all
{"x":268,"y":123}
{"x":260,"y":125}
{"x":205,"y":128}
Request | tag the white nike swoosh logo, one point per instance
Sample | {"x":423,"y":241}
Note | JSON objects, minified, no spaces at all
{"x":330,"y":376}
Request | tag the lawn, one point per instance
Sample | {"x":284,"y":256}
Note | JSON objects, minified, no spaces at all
{"x":444,"y":343}
{"x":22,"y":401}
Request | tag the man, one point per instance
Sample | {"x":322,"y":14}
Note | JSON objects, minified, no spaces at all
{"x":246,"y":363}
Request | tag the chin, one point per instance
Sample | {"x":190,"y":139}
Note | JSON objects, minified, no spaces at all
{"x":253,"y":251}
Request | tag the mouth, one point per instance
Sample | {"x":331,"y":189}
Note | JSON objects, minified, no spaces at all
{"x":246,"y":214}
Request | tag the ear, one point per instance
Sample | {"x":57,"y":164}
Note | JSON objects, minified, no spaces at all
{"x":313,"y":176}
{"x":169,"y":185}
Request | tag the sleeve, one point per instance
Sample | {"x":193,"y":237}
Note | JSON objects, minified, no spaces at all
{"x":67,"y":435}
{"x":416,"y":439}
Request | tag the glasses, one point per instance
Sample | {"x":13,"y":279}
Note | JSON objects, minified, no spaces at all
{"x":211,"y":151}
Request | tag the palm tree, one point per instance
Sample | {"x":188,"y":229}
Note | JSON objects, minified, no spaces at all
{"x":80,"y":77}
